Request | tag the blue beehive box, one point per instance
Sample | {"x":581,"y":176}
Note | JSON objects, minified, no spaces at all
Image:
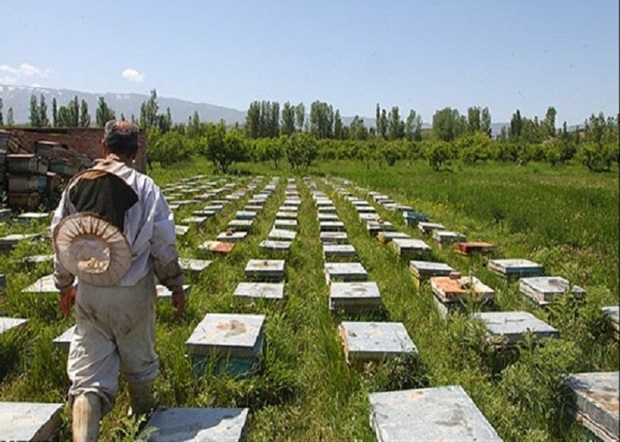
{"x":413,"y":218}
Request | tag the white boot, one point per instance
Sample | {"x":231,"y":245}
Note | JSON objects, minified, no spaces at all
{"x":141,"y":397}
{"x":87,"y":412}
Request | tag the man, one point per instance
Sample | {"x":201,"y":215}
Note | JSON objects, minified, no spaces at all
{"x":115,"y":297}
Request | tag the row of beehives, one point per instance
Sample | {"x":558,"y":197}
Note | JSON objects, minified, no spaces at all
{"x":592,"y":391}
{"x":44,"y":419}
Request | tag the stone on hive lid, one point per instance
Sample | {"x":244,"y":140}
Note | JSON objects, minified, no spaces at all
{"x":196,"y":424}
{"x":333,"y":237}
{"x":164,"y":293}
{"x":332,"y":251}
{"x":281,"y":234}
{"x":510,"y":328}
{"x":63,"y":341}
{"x":386,"y":237}
{"x":265,"y":269}
{"x":181,"y":230}
{"x":515,"y":267}
{"x":545,"y":289}
{"x":427,"y":228}
{"x":194,"y":265}
{"x":231,"y":236}
{"x":275,"y":246}
{"x":245,"y":214}
{"x":354,"y":296}
{"x":331,"y":226}
{"x":234,"y":335}
{"x":241,"y":224}
{"x":375,"y":340}
{"x":21,"y":421}
{"x":612,"y":313}
{"x":469,"y":248}
{"x":425,"y":414}
{"x":265,"y":290}
{"x":287,"y":224}
{"x":7,"y":324}
{"x":408,"y":248}
{"x":446,"y":237}
{"x":345,"y":272}
{"x":218,"y":247}
{"x":450,"y":290}
{"x":594,"y":402}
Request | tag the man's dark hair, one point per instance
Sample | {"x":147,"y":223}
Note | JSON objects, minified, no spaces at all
{"x":121,"y":137}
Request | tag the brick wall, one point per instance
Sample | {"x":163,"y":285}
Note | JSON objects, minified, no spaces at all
{"x":86,"y":141}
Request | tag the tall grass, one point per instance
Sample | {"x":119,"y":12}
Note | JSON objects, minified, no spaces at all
{"x":566,"y":219}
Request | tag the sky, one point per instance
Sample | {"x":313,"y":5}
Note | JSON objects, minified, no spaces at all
{"x":417,"y":55}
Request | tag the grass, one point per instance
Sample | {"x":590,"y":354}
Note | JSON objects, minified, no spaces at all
{"x":565,"y":219}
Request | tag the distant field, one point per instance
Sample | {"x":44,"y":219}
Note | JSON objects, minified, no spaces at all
{"x":565,"y":219}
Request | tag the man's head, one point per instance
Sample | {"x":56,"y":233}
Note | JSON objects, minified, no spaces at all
{"x":121,"y":138}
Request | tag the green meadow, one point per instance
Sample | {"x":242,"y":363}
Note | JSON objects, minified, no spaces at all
{"x":564,"y":218}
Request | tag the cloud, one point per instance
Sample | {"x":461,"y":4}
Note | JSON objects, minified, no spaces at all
{"x":24,"y":70}
{"x":132,"y":75}
{"x":8,"y":80}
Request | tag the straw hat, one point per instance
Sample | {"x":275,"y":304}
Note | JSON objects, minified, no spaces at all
{"x":92,"y":249}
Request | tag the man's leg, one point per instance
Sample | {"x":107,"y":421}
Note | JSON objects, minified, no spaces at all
{"x":87,"y":412}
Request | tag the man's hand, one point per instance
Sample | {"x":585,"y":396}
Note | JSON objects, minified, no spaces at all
{"x":178,"y":302}
{"x":67,"y":300}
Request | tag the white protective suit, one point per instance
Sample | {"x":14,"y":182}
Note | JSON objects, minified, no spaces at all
{"x":115,"y":326}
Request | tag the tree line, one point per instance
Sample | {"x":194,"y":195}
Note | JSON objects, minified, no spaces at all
{"x":275,"y":133}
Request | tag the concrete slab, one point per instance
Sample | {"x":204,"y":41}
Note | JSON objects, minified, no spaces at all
{"x":424,"y":270}
{"x":265,"y":269}
{"x":164,"y":293}
{"x":44,"y":285}
{"x":196,"y":424}
{"x":217,"y":247}
{"x":594,"y":402}
{"x":447,"y":237}
{"x":240,"y":224}
{"x":7,"y":324}
{"x":63,"y":341}
{"x":230,"y":236}
{"x":338,"y":251}
{"x":386,"y":237}
{"x":429,"y":414}
{"x":327,"y":209}
{"x":274,"y":246}
{"x":181,"y":230}
{"x":264,"y":290}
{"x":29,"y":421}
{"x":427,"y":228}
{"x":281,"y":234}
{"x":194,"y":265}
{"x":331,"y":226}
{"x":354,"y":296}
{"x":245,"y":214}
{"x":345,"y":272}
{"x":283,"y":214}
{"x":333,"y":237}
{"x":328,"y":217}
{"x":545,"y":289}
{"x":410,"y":248}
{"x":375,"y":341}
{"x":515,"y":267}
{"x":288,"y":209}
{"x":234,"y":335}
{"x":510,"y":328}
{"x":286,"y":224}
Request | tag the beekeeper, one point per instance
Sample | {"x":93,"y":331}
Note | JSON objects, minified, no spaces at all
{"x":113,"y":231}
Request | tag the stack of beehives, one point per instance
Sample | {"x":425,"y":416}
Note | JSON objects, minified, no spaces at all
{"x":27,"y":178}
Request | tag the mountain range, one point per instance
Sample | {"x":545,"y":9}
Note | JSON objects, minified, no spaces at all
{"x":128,"y":104}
